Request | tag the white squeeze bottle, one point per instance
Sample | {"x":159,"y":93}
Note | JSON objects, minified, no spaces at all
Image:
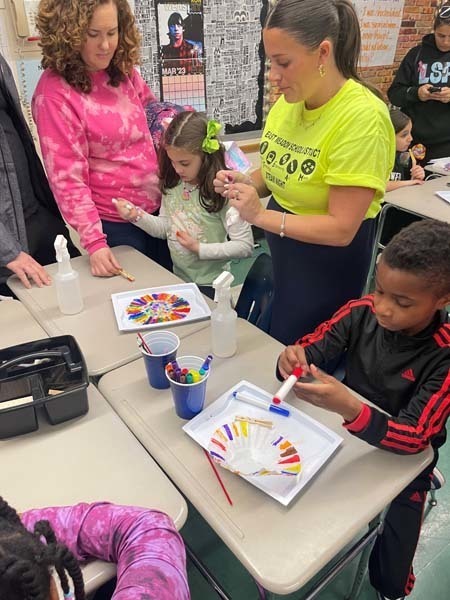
{"x":223,"y":318}
{"x":67,"y":280}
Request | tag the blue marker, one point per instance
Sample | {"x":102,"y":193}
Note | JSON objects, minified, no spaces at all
{"x":205,"y":365}
{"x":265,"y":404}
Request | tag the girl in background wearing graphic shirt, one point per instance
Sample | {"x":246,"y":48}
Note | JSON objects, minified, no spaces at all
{"x":89,"y":111}
{"x":421,"y":88}
{"x":202,"y":231}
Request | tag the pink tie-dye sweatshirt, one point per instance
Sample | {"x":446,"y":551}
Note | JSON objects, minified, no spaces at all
{"x":96,"y":146}
{"x":144,"y":544}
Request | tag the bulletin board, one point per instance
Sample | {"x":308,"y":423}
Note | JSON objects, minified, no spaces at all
{"x":228,"y":81}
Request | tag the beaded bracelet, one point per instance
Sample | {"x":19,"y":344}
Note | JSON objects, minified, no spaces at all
{"x":283,"y":221}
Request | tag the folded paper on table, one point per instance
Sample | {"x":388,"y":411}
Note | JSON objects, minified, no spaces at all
{"x":306,"y":444}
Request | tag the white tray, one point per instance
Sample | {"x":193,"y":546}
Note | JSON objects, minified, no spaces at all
{"x":189,"y":291}
{"x":315,"y":442}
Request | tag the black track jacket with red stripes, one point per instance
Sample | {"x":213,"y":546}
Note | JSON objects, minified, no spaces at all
{"x":406,"y":376}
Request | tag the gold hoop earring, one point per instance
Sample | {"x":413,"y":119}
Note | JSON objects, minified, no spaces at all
{"x":321,"y":70}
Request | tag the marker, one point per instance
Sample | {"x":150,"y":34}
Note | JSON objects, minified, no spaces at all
{"x":287,"y":385}
{"x":249,"y":399}
{"x":205,"y":365}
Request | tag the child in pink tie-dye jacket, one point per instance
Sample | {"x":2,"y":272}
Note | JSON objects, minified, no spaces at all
{"x":144,"y":544}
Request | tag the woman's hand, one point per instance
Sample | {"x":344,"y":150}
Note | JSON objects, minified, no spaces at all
{"x":104,"y":264}
{"x":126,"y":209}
{"x":291,"y":357}
{"x":187,"y":241}
{"x":246,"y":200}
{"x":417,"y":172}
{"x":442,"y":96}
{"x":224,"y":178}
{"x":27,"y":269}
{"x":329,"y":393}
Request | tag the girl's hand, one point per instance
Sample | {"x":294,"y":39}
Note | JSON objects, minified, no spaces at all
{"x":126,"y":209}
{"x":417,"y":172}
{"x":246,"y":200}
{"x":291,"y":357}
{"x":329,"y":393}
{"x":103,"y":263}
{"x":187,"y":241}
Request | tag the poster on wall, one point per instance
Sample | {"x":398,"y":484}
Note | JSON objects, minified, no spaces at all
{"x":380,"y":25}
{"x":181,"y":52}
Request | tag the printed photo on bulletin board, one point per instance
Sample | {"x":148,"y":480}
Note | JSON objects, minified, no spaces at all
{"x":181,"y":49}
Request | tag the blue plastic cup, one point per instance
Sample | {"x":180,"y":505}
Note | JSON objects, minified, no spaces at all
{"x":189,"y":398}
{"x":163,"y":346}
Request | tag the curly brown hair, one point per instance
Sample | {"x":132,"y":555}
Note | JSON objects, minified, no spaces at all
{"x":63,"y":25}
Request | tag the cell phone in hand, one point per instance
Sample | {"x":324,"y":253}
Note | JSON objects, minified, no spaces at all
{"x":433,"y":89}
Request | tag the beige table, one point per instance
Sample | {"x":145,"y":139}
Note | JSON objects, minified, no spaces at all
{"x":419,"y":200}
{"x":95,"y":327}
{"x":282,"y":548}
{"x":17,"y":325}
{"x":94,"y":457}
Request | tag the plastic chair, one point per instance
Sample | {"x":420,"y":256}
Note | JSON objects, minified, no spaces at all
{"x":255,"y":300}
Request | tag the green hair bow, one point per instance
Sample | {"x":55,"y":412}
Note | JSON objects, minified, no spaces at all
{"x":211,"y":144}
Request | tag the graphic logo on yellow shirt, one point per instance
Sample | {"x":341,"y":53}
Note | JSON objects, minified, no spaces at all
{"x":288,"y":163}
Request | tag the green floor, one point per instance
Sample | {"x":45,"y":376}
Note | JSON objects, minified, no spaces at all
{"x":432,"y":564}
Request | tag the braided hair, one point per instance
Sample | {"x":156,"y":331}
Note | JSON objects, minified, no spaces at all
{"x":25,"y":561}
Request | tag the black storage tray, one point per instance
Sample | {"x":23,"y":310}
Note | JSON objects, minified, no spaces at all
{"x":50,"y":373}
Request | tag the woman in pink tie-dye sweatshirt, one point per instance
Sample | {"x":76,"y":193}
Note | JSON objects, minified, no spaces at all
{"x":89,"y":108}
{"x":144,"y":544}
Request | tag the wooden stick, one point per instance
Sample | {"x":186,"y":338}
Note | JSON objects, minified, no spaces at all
{"x":413,"y":158}
{"x":146,"y":348}
{"x":126,"y":275}
{"x":211,"y":462}
{"x":261,"y":422}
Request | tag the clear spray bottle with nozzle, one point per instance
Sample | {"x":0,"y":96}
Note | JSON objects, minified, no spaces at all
{"x":223,"y":318}
{"x":66,"y":280}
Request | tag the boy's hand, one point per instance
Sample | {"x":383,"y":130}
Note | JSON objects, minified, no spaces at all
{"x":187,"y":241}
{"x":417,"y":173}
{"x":291,"y":357}
{"x":329,"y":393}
{"x":126,"y":209}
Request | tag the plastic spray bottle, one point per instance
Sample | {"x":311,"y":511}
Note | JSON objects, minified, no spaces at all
{"x":223,"y":318}
{"x":67,"y":280}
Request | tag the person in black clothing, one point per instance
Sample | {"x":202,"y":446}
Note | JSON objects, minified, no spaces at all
{"x":29,"y":217}
{"x":397,"y":345}
{"x":404,"y":173}
{"x":421,"y":88}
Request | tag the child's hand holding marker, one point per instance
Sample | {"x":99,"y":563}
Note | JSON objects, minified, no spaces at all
{"x":326,"y":391}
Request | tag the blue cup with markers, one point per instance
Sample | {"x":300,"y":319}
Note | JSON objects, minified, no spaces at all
{"x":163,"y":347}
{"x":188,"y":392}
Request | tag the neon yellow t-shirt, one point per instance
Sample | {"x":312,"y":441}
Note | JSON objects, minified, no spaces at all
{"x":349,"y":141}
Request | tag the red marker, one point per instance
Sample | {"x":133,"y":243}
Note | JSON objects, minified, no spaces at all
{"x":287,"y":385}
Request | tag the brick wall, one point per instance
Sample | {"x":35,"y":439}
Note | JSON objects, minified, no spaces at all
{"x":418,"y":17}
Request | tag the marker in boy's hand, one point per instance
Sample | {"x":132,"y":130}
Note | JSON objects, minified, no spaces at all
{"x":290,"y":358}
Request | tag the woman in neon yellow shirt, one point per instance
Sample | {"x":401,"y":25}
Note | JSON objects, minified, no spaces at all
{"x":326,"y":154}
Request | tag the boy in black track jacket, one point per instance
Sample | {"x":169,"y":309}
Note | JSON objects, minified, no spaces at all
{"x":397,"y":344}
{"x":421,"y":88}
